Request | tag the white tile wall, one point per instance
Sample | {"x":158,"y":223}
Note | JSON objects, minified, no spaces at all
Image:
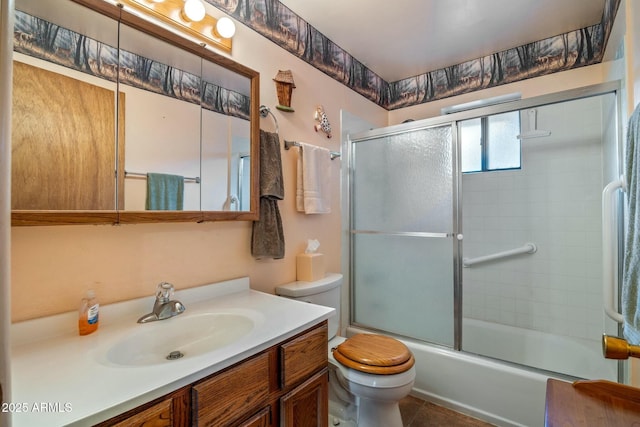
{"x":554,"y":202}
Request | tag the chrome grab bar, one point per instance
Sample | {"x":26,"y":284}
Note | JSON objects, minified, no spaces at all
{"x":528,"y":248}
{"x":609,"y":241}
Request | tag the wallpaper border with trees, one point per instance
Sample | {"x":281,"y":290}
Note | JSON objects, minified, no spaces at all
{"x":42,"y":39}
{"x":279,"y":24}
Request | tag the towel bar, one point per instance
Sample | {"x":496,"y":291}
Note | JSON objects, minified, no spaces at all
{"x":289,"y":144}
{"x":195,"y":179}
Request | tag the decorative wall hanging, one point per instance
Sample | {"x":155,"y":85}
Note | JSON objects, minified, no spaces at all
{"x":284,"y":87}
{"x":323,"y":121}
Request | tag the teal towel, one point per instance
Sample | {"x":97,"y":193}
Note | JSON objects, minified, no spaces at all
{"x":631,"y":272}
{"x":164,"y":192}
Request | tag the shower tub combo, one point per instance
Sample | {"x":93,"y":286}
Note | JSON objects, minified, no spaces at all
{"x":487,"y":335}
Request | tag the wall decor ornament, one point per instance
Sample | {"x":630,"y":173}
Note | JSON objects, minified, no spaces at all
{"x":323,"y":122}
{"x":284,"y":88}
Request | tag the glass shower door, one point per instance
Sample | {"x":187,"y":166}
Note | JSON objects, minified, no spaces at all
{"x":543,"y":309}
{"x":402,"y":223}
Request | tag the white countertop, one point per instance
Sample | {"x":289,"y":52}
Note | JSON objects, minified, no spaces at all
{"x":59,"y":378}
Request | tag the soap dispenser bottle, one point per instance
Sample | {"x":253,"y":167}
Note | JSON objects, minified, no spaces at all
{"x":88,"y":314}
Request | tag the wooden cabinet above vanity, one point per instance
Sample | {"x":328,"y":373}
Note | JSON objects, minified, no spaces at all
{"x":117,"y":97}
{"x":285,"y":385}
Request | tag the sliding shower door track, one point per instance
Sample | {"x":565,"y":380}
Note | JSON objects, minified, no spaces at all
{"x":404,"y":233}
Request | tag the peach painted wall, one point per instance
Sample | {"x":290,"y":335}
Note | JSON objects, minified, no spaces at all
{"x":52,"y":266}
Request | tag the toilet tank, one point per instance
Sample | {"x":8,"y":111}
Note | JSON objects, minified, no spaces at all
{"x":325,"y":292}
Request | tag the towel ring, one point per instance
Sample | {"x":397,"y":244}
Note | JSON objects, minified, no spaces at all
{"x":265,"y":111}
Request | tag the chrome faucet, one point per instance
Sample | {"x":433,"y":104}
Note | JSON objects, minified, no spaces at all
{"x":164,"y":307}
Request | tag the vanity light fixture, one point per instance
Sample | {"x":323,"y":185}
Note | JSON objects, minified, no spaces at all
{"x":193,"y":10}
{"x":189,"y":17}
{"x":225,"y":27}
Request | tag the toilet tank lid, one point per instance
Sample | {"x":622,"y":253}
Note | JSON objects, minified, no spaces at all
{"x":302,"y":289}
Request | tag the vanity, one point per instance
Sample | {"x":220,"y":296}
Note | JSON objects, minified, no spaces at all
{"x":249,"y":359}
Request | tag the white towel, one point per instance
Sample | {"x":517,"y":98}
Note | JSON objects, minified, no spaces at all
{"x":313,"y":191}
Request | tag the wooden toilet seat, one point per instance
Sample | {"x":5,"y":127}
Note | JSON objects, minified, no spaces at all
{"x":374,"y":354}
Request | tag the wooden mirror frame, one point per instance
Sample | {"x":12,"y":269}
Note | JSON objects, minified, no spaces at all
{"x":70,"y":217}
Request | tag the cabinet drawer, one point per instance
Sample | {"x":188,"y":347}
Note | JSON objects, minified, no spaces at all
{"x":171,"y":410}
{"x":222,"y":399}
{"x":303,"y":356}
{"x":159,"y":415}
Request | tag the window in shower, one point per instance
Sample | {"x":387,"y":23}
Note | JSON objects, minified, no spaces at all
{"x":490,"y":143}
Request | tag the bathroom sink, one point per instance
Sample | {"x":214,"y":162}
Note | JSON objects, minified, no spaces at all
{"x":167,"y":341}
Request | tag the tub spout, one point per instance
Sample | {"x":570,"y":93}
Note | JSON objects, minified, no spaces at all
{"x":618,"y":348}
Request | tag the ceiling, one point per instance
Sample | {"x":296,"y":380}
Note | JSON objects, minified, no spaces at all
{"x":402,"y":39}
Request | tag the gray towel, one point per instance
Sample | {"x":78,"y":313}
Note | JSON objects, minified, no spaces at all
{"x":631,"y":273}
{"x":267,"y":237}
{"x":164,"y":192}
{"x":271,"y":182}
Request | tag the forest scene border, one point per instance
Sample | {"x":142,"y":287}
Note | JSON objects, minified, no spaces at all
{"x":42,"y":39}
{"x":282,"y":26}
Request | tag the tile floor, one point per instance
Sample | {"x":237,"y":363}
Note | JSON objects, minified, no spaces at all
{"x":418,"y":413}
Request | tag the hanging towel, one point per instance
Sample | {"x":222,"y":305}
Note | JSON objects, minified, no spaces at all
{"x":313,"y":189}
{"x":164,"y":192}
{"x":631,"y":273}
{"x":267,"y":236}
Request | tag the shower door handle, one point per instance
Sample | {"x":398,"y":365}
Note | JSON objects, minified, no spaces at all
{"x":609,"y":243}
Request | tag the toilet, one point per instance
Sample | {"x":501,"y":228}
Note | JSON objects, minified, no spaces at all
{"x":368,"y":373}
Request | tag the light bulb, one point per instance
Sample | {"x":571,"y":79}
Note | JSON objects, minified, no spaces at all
{"x":225,"y":27}
{"x":193,"y":10}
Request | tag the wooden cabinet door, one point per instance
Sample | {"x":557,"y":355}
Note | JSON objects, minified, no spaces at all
{"x":308,"y":404}
{"x":63,"y":142}
{"x":261,"y":419}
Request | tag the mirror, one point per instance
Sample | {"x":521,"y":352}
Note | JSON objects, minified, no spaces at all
{"x":167,"y":106}
{"x":161,"y":86}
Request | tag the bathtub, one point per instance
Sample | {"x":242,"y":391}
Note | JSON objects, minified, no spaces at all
{"x":572,"y":356}
{"x":500,"y":393}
